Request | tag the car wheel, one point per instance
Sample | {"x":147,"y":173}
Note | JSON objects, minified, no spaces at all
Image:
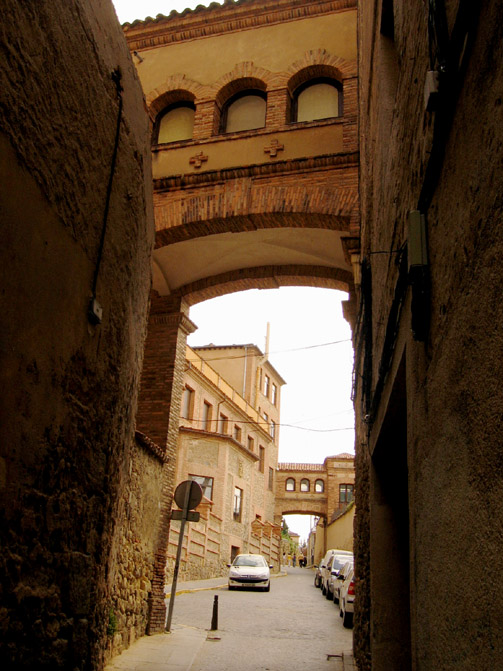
{"x":268,"y":588}
{"x":336,"y":598}
{"x":323,"y":590}
{"x":230,"y":588}
{"x":328,"y":594}
{"x":316,"y":582}
{"x":347,"y":620}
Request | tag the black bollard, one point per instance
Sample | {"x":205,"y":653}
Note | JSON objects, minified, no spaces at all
{"x":214,"y":619}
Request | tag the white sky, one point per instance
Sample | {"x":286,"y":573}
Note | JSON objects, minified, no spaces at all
{"x":316,"y":410}
{"x":129,"y":10}
{"x":316,"y":399}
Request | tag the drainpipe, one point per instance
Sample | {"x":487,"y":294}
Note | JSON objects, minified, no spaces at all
{"x":244,"y":373}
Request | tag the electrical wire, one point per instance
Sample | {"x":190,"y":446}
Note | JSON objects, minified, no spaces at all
{"x":280,"y":351}
{"x":263,"y":424}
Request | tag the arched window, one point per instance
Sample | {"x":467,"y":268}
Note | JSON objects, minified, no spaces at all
{"x":290,"y":485}
{"x":304,"y":485}
{"x":175,"y":123}
{"x":244,"y":111}
{"x":317,"y":99}
{"x":319,"y":486}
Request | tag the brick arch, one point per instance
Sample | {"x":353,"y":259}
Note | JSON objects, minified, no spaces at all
{"x":292,"y":510}
{"x":265,"y":277}
{"x":243,"y":75}
{"x":237,"y":223}
{"x":172,"y":90}
{"x":319,"y":63}
{"x":238,"y":85}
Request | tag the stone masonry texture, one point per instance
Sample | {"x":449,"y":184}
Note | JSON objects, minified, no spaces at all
{"x":69,"y":387}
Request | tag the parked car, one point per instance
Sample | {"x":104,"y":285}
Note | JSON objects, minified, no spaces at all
{"x":325,"y":571}
{"x":250,"y":570}
{"x":346,"y":599}
{"x":335,"y":565}
{"x":343,"y":574}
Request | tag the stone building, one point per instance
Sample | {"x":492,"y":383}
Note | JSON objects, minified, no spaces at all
{"x":229,"y":445}
{"x":429,"y":337}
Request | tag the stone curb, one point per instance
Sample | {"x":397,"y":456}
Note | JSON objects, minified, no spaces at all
{"x":205,"y":589}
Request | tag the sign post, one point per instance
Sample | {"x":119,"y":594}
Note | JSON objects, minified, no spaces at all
{"x":188,"y":496}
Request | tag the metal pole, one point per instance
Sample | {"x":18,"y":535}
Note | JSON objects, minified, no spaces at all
{"x":177,"y":561}
{"x":214,"y":619}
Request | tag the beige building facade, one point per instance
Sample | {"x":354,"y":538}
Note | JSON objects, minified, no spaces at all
{"x":230,"y":447}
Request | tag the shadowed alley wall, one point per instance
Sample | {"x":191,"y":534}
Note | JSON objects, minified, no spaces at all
{"x":68,"y":387}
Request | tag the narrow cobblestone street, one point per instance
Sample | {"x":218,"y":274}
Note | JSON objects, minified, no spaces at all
{"x":291,"y":628}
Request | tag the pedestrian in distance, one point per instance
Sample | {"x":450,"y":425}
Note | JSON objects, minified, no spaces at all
{"x":294,"y":559}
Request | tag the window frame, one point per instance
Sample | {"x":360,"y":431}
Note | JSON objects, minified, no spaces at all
{"x":237,"y":510}
{"x":274,"y":394}
{"x":204,"y":487}
{"x":316,"y":489}
{"x":261,"y":454}
{"x":313,"y":82}
{"x":223,"y":424}
{"x":287,"y":481}
{"x":234,"y":98}
{"x":349,"y":488}
{"x":190,"y":405}
{"x":270,"y":484}
{"x":303,"y":483}
{"x":207,"y":415}
{"x":189,"y":104}
{"x":267,"y":385}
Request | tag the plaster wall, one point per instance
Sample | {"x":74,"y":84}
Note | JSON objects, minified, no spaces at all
{"x":340,"y":531}
{"x":67,"y":414}
{"x":290,"y":39}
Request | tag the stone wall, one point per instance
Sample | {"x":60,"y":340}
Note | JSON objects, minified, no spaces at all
{"x":69,"y":386}
{"x":134,"y":547}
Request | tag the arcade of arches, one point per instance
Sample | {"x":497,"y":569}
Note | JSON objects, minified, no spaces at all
{"x":314,"y":489}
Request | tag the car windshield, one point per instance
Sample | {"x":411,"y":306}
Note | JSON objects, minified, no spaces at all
{"x":249,"y":561}
{"x":337,"y":564}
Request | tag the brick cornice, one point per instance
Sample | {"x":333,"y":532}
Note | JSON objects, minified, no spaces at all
{"x":175,"y":319}
{"x":301,"y":165}
{"x":227,"y":18}
{"x":211,"y":434}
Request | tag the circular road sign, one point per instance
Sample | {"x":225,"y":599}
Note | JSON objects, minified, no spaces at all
{"x":195,"y":494}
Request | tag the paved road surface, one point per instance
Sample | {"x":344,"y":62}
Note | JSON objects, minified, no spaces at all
{"x":291,"y":628}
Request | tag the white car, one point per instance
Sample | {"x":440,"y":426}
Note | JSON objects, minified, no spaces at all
{"x":324,"y":567}
{"x":347,"y":599}
{"x":248,"y":570}
{"x":335,"y":566}
{"x":338,"y":583}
